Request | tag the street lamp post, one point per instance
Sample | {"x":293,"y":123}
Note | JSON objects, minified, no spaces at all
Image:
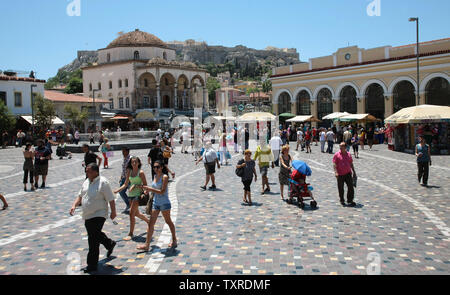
{"x":32,"y":109}
{"x":416,"y":19}
{"x":95,"y":110}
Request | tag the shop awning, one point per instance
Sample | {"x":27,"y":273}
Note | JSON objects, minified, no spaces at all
{"x":421,"y":114}
{"x":299,"y":119}
{"x":145,"y":116}
{"x":358,"y":117}
{"x":335,"y":115}
{"x":256,"y":116}
{"x":229,"y":118}
{"x":118,"y":117}
{"x":56,"y":121}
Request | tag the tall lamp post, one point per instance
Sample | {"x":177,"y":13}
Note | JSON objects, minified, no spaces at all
{"x":95,"y":110}
{"x":32,"y":109}
{"x":416,"y":19}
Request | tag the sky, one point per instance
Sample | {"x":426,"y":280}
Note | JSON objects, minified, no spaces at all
{"x":40,"y":35}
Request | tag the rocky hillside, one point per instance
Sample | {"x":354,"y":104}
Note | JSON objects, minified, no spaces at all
{"x":201,"y":53}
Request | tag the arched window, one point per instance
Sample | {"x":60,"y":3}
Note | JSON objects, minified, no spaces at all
{"x":325,"y":105}
{"x":111,"y":103}
{"x":404,"y":95}
{"x":348,"y":100}
{"x":145,"y":83}
{"x":120,"y":83}
{"x":127,"y":102}
{"x":166,"y":81}
{"x":120,"y":102}
{"x":284,"y":103}
{"x":438,"y":92}
{"x":110,"y":84}
{"x":136,"y":55}
{"x":108,"y":57}
{"x":126,"y":82}
{"x":99,"y":86}
{"x":303,"y":103}
{"x":375,"y":101}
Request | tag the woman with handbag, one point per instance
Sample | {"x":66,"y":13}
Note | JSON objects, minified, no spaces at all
{"x":247,"y":167}
{"x":136,"y":178}
{"x":161,"y":203}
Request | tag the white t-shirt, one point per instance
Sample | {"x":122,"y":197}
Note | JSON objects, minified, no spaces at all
{"x":299,"y":135}
{"x":330,"y":135}
{"x":275,"y":143}
{"x":96,"y":196}
{"x":209,"y":156}
{"x":185,"y":136}
{"x":322,"y":136}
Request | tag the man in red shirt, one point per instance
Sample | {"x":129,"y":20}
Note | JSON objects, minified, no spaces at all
{"x":343,"y":167}
{"x":308,"y":140}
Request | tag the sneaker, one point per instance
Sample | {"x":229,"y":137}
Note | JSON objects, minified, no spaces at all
{"x":267,"y":190}
{"x":203,"y":188}
{"x":212,"y":186}
{"x":352,"y":204}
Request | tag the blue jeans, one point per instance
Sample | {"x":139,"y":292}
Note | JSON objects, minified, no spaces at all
{"x":123,"y":194}
{"x":330,"y":146}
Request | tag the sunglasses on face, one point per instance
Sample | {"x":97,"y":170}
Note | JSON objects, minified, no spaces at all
{"x":156,"y":167}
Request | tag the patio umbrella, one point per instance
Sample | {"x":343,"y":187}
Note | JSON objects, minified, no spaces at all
{"x":335,"y":115}
{"x":420,"y":114}
{"x":256,"y":116}
{"x":286,"y":115}
{"x":358,"y":117}
{"x":185,"y":124}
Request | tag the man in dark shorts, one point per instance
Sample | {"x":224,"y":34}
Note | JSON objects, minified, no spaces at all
{"x":370,"y":135}
{"x":210,"y":160}
{"x":90,"y":157}
{"x":42,"y":155}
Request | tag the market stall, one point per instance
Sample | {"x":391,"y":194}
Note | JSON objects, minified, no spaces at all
{"x":431,"y":121}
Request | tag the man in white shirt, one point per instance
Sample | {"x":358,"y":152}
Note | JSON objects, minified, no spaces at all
{"x":210,"y":160}
{"x":186,"y":141}
{"x":299,"y":139}
{"x":275,"y":144}
{"x":94,"y":196}
{"x":330,"y":140}
{"x":323,"y":136}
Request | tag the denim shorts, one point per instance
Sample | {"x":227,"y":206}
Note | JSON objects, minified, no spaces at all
{"x":162,"y":207}
{"x":131,"y":199}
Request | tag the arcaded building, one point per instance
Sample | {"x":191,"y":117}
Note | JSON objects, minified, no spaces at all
{"x":379,"y":81}
{"x":138,"y":72}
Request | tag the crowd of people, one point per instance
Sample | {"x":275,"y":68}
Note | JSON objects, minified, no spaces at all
{"x":96,"y":195}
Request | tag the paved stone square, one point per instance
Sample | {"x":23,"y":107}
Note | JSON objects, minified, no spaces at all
{"x":399,"y":222}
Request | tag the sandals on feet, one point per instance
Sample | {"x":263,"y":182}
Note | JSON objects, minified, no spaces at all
{"x":128,"y":238}
{"x":143,"y":248}
{"x":173,"y":245}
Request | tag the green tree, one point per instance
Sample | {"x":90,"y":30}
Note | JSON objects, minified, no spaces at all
{"x":75,"y":85}
{"x":44,"y":113}
{"x":75,"y":116}
{"x":7,"y":119}
{"x":212,"y":85}
{"x":267,"y":86}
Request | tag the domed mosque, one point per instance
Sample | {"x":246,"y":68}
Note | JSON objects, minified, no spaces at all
{"x":139,"y":73}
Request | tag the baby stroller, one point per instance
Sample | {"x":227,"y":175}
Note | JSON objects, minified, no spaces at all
{"x":299,"y":188}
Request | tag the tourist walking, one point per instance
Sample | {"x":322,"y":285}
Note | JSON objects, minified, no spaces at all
{"x":248,"y":165}
{"x":28,"y":166}
{"x":155,"y":154}
{"x":94,"y":197}
{"x":76,"y":137}
{"x":136,"y":179}
{"x":5,"y":139}
{"x":323,"y":136}
{"x":5,"y":204}
{"x":347,"y":139}
{"x":315,"y":134}
{"x":362,"y":138}
{"x":186,"y":141}
{"x":264,"y":156}
{"x":355,"y":145}
{"x":330,"y":139}
{"x":275,"y":145}
{"x":308,"y":136}
{"x":285,"y":169}
{"x":101,"y":137}
{"x":167,"y":154}
{"x":125,"y":163}
{"x":300,"y":139}
{"x":235,"y":140}
{"x":370,"y":135}
{"x":90,"y":157}
{"x":104,"y":149}
{"x":20,"y":137}
{"x":161,"y":203}
{"x":223,"y":150}
{"x":210,"y":160}
{"x":91,"y":138}
{"x":423,"y":155}
{"x":41,"y":157}
{"x":343,"y":167}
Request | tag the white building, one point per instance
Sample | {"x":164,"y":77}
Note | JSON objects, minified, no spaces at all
{"x":138,"y":72}
{"x":15,"y":92}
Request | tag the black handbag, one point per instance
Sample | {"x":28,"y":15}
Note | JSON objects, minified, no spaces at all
{"x":240,"y":171}
{"x":143,"y":199}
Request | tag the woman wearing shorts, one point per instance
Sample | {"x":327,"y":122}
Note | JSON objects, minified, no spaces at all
{"x":354,"y":143}
{"x":161,"y":203}
{"x":104,"y":148}
{"x":249,"y":170}
{"x":285,"y":169}
{"x":136,"y":178}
